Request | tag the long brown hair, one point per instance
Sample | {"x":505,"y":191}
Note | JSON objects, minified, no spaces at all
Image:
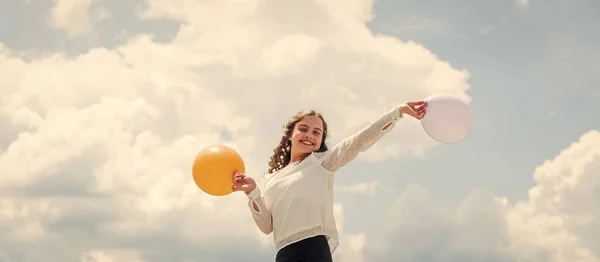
{"x":282,"y":153}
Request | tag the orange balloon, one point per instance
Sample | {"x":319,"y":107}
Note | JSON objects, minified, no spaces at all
{"x":214,"y":168}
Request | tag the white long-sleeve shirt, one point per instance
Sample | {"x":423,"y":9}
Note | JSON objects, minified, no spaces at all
{"x":297,"y":201}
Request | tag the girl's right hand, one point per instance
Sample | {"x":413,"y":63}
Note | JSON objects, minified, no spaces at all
{"x":241,"y":182}
{"x":416,"y":109}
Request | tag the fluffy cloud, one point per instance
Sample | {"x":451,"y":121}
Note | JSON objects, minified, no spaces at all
{"x":561,"y":220}
{"x":558,"y":223}
{"x":76,"y":17}
{"x":96,"y":149}
{"x":417,"y":231}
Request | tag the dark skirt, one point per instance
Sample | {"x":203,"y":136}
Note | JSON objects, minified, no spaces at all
{"x":314,"y":249}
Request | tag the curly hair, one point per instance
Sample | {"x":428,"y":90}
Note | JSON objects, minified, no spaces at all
{"x":282,"y":153}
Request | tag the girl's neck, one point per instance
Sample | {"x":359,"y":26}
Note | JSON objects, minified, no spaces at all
{"x":298,"y":158}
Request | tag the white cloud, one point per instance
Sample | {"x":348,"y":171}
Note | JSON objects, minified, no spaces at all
{"x":558,"y":223}
{"x":523,"y":2}
{"x":417,"y":231}
{"x":97,"y":148}
{"x":562,"y":216}
{"x":351,"y":246}
{"x":76,"y":17}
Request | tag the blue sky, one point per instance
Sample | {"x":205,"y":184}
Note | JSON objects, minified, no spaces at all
{"x":535,"y":80}
{"x":533,"y":71}
{"x":534,"y":77}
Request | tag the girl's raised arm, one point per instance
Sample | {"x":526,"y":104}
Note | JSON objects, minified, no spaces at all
{"x":349,"y":148}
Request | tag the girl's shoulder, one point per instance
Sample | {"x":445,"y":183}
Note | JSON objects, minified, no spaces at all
{"x":320,"y":155}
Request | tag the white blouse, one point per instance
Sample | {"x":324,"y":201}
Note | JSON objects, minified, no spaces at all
{"x":297,"y":201}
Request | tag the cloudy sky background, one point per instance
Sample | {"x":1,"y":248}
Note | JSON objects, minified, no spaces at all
{"x":104,"y":104}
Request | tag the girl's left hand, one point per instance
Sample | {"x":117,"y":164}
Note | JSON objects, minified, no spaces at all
{"x":416,"y":109}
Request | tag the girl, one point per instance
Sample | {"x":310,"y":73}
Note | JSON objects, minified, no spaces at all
{"x":296,"y":203}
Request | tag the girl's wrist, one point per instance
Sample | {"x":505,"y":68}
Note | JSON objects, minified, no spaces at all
{"x":402,"y":109}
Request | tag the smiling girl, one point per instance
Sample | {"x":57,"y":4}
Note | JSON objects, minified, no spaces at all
{"x":296,"y":203}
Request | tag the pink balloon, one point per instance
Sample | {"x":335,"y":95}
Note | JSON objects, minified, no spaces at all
{"x":448,"y":119}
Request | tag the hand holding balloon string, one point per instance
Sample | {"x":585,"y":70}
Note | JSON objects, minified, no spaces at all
{"x":244,"y":183}
{"x":416,"y":109}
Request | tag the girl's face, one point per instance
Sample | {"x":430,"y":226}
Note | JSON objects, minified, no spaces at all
{"x":307,"y":135}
